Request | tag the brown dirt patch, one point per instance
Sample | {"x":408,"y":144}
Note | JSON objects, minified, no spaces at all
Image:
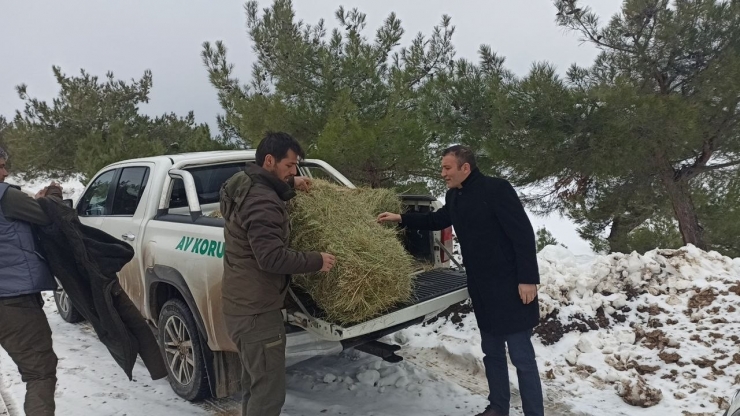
{"x":669,"y":357}
{"x":670,"y":376}
{"x":703,"y":362}
{"x":654,"y":323}
{"x":639,"y":393}
{"x":699,"y":339}
{"x":643,"y":369}
{"x":455,"y":314}
{"x":601,"y":318}
{"x":655,"y":310}
{"x":702,"y":299}
{"x":656,"y":339}
{"x":631,"y":292}
{"x":551,"y":330}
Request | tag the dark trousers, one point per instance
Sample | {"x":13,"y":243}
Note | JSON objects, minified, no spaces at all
{"x":521,"y":352}
{"x":261,"y":342}
{"x":26,"y":336}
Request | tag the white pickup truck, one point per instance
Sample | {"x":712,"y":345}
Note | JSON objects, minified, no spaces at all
{"x":160,"y":206}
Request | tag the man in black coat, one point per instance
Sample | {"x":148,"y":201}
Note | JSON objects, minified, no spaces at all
{"x":500,"y":258}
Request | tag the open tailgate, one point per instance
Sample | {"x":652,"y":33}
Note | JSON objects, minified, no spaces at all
{"x":434,"y":291}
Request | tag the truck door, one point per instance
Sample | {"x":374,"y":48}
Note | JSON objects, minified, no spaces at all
{"x":116,"y":203}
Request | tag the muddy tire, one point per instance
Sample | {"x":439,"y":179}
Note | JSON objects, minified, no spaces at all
{"x":179,"y":341}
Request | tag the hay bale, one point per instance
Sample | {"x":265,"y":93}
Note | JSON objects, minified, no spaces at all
{"x":373,"y":270}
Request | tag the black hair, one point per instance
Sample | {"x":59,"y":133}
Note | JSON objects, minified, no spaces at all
{"x":463,"y":154}
{"x":278,"y":144}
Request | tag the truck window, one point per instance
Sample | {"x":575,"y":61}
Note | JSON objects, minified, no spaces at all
{"x":129,"y":190}
{"x":318,"y":172}
{"x":95,"y":201}
{"x":208,"y":181}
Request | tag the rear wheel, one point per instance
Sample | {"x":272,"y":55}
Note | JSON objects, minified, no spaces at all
{"x":65,"y":308}
{"x":180,"y":343}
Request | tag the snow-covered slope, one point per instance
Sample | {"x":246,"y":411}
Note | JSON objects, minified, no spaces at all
{"x":653,"y":334}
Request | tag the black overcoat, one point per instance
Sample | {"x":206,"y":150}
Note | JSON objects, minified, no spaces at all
{"x":86,"y":262}
{"x":498,"y":249}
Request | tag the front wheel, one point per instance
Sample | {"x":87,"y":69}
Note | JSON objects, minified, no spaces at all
{"x":180,"y":344}
{"x":65,"y":308}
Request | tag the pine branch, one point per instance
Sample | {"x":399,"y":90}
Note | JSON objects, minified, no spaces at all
{"x":709,"y":145}
{"x":693,"y":171}
{"x":595,"y":38}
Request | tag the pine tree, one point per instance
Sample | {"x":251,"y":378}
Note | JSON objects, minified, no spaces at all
{"x":718,"y":205}
{"x":93,"y":123}
{"x":627,"y":143}
{"x":660,"y":103}
{"x":4,"y":128}
{"x":545,"y":238}
{"x":353,"y":101}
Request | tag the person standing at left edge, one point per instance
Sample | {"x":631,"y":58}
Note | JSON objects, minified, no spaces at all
{"x":25,"y":333}
{"x":500,"y":256}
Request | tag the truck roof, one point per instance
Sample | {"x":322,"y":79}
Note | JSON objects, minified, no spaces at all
{"x":193,"y":156}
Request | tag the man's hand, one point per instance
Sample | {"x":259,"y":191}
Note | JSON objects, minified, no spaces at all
{"x":41,"y":193}
{"x":329,"y":261}
{"x":53,"y":188}
{"x":388,"y":217}
{"x":301,"y":184}
{"x":527,"y":293}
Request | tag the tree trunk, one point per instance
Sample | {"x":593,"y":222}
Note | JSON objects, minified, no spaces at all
{"x":616,"y":238}
{"x":677,"y":188}
{"x":622,"y":225}
{"x":373,"y":175}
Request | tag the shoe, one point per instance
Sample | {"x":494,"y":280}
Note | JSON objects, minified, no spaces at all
{"x":491,"y":412}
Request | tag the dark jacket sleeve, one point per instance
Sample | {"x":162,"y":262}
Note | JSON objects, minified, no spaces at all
{"x":263,"y":221}
{"x":21,"y":207}
{"x":517,"y":227}
{"x":435,"y":221}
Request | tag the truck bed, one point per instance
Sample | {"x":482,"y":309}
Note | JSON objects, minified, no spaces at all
{"x":434,"y":291}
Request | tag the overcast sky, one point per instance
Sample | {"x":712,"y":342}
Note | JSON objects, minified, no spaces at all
{"x":128,"y":37}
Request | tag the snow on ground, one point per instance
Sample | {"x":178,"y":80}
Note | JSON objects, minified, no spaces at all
{"x":89,"y":381}
{"x":622,"y":334}
{"x":359,"y":384}
{"x":91,"y":384}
